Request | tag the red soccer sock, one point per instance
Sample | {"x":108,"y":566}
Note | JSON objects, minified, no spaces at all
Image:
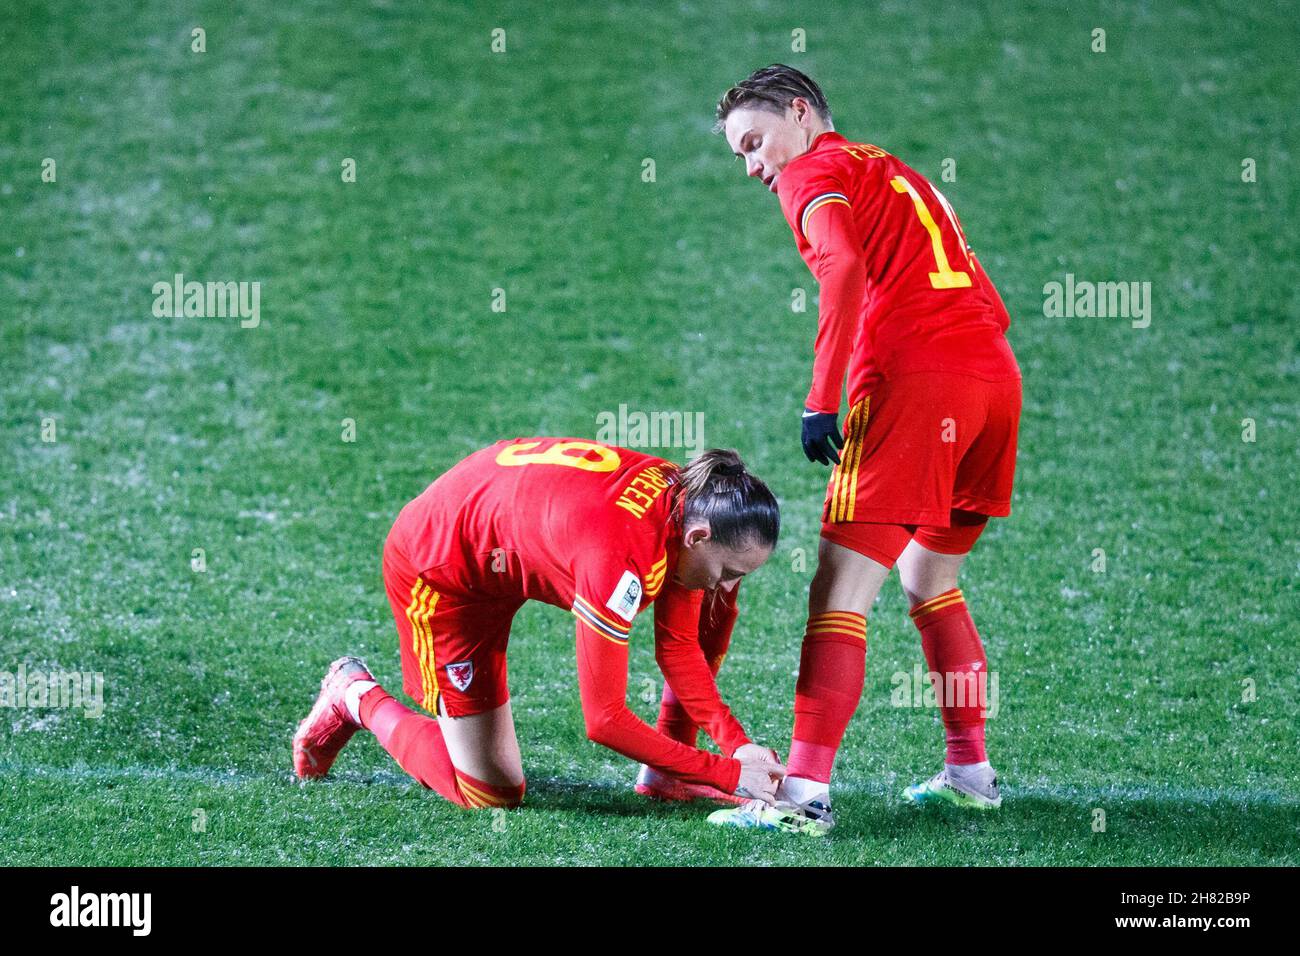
{"x":415,"y":742}
{"x":674,"y":722}
{"x":959,"y":672}
{"x":832,"y":668}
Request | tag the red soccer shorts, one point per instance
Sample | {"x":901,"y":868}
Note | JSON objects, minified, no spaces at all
{"x":453,"y":648}
{"x":883,"y":543}
{"x":922,"y":445}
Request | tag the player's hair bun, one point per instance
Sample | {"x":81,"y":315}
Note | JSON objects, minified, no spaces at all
{"x":717,"y":488}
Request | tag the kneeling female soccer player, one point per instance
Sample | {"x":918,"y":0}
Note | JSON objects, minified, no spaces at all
{"x":595,"y":529}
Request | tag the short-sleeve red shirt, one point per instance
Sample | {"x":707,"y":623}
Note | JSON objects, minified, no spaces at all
{"x":587,"y":527}
{"x":928,"y":305}
{"x":567,"y":521}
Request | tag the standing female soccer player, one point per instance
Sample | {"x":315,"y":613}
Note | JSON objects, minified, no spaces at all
{"x":588,"y":527}
{"x":930,"y":445}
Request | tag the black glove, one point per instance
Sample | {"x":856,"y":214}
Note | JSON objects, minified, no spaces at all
{"x":821,"y":437}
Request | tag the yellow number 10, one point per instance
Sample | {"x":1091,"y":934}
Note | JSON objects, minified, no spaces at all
{"x":945,"y":278}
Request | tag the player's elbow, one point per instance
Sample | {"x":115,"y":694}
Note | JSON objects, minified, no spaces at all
{"x":838,"y":268}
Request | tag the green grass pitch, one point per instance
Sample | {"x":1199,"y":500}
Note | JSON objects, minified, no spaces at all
{"x":1161,"y":690}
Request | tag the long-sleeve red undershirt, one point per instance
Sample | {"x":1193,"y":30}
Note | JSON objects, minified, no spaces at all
{"x":702,"y":620}
{"x":602,"y":686}
{"x":841,"y":273}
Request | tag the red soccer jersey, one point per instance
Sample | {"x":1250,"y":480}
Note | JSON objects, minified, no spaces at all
{"x":925,"y":303}
{"x":586,"y":527}
{"x":573,"y":523}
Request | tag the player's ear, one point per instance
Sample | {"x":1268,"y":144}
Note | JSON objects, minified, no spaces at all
{"x":697,"y":534}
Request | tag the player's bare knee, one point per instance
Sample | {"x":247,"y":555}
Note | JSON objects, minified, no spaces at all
{"x":505,"y":772}
{"x":835,"y":590}
{"x":925,"y":574}
{"x":819,"y":590}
